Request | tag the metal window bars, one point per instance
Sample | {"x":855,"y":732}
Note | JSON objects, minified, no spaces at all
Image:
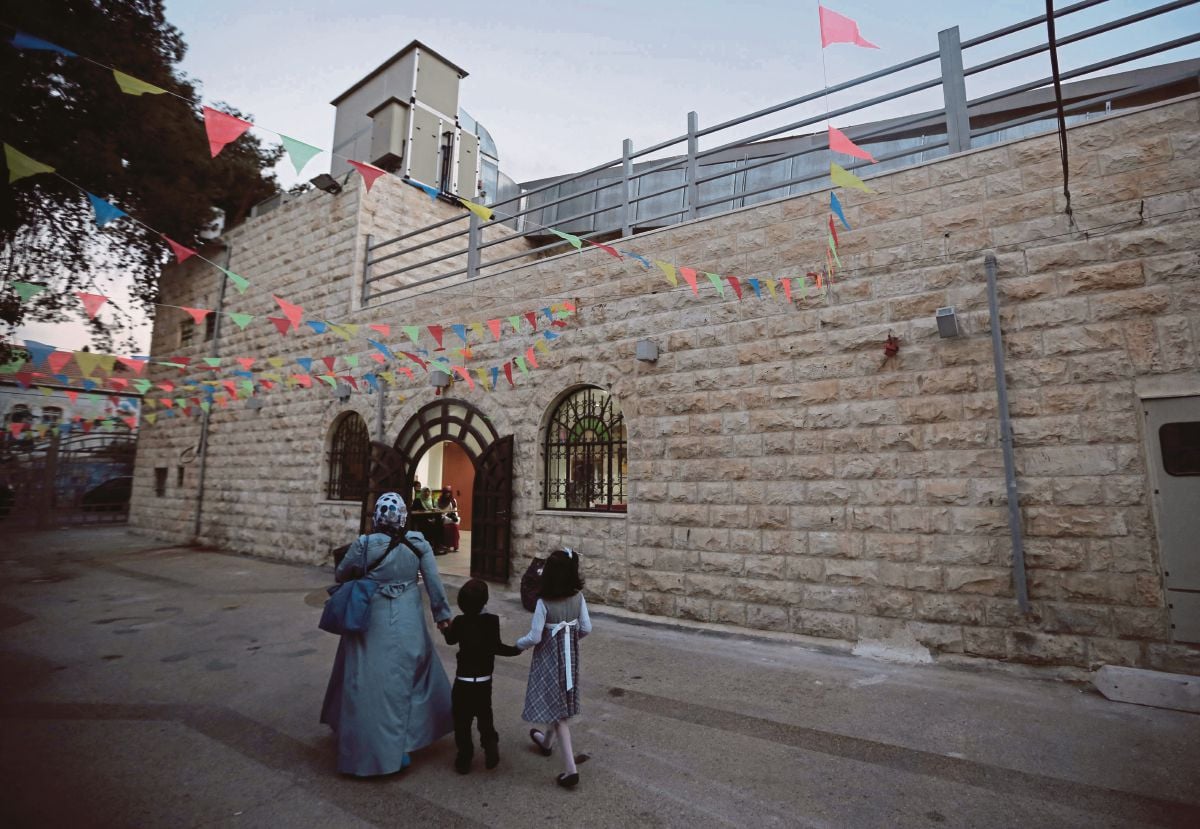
{"x":643,"y":190}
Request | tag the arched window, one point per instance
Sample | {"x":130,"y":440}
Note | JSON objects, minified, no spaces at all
{"x":586,"y":453}
{"x":349,"y":454}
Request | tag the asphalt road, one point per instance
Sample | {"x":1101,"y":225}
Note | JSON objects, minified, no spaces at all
{"x":145,"y":686}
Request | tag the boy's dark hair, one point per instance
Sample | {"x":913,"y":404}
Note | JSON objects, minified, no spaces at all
{"x":472,"y":596}
{"x":560,"y":578}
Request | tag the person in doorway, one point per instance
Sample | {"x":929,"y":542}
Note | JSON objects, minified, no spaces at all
{"x":388,"y":694}
{"x":428,"y":520}
{"x":477,"y":635}
{"x":560,"y":620}
{"x":450,"y":519}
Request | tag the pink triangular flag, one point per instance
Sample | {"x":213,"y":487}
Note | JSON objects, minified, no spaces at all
{"x":611,"y":251}
{"x":72,"y":395}
{"x":383,"y":328}
{"x":245,"y":362}
{"x":837,"y":28}
{"x":369,"y":172}
{"x":17,"y":428}
{"x":281,"y":325}
{"x":135,"y":365}
{"x":530,"y":358}
{"x":57,"y":360}
{"x":91,"y":302}
{"x":294,"y":313}
{"x":131,"y":422}
{"x":181,"y":252}
{"x":222,"y":129}
{"x":839,"y":143}
{"x":494,"y":326}
{"x":198,"y":314}
{"x":690,"y":275}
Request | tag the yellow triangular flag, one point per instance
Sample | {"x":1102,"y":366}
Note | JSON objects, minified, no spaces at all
{"x":132,"y":86}
{"x":21,"y":165}
{"x":484,"y":213}
{"x":844,"y":178}
{"x":668,"y":271}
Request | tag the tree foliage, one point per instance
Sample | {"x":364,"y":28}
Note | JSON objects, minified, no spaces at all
{"x":147,"y":154}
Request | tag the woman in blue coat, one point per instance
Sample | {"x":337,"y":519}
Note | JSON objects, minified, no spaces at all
{"x":388,"y":694}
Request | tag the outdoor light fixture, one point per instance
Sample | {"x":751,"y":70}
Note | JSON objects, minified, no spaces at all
{"x":947,"y":322}
{"x":254,"y":404}
{"x":342,"y":392}
{"x":327,"y":183}
{"x":646,"y":351}
{"x":439,"y":379}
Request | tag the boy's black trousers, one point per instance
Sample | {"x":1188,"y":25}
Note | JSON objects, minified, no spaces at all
{"x":473,"y":700}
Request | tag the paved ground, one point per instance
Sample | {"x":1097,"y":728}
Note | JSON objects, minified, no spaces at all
{"x":145,"y":686}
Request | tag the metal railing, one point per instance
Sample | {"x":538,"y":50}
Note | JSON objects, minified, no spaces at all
{"x":643,"y":190}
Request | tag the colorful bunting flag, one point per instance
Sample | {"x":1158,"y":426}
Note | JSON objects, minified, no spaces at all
{"x":436,"y":331}
{"x":611,"y":251}
{"x":383,"y":328}
{"x":460,"y":330}
{"x":197,"y":314}
{"x":645,"y":263}
{"x":836,"y":207}
{"x":833,"y":232}
{"x":241,"y":320}
{"x":294,"y":313}
{"x":432,"y":192}
{"x":87,"y":362}
{"x":21,"y":166}
{"x":839,"y":143}
{"x":132,"y":86}
{"x":23,"y":41}
{"x":844,"y":178}
{"x":484,"y":213}
{"x":754,"y":286}
{"x":239,"y":282}
{"x":91,"y":302}
{"x":298,"y":152}
{"x":58,"y":361}
{"x":787,"y":288}
{"x":413,"y":332}
{"x":575,"y":241}
{"x":515,"y":322}
{"x":182,"y":252}
{"x":281,"y":325}
{"x":222,"y":129}
{"x":837,"y":28}
{"x":735,"y":284}
{"x":369,"y":172}
{"x":105,"y":211}
{"x":668,"y":271}
{"x":689,"y":275}
{"x":38,"y":352}
{"x":715,"y":279}
{"x":27,"y":290}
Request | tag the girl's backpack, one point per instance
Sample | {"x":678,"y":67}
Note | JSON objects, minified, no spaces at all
{"x":531,"y":583}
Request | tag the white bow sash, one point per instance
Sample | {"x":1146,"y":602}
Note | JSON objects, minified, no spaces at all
{"x":566,"y":647}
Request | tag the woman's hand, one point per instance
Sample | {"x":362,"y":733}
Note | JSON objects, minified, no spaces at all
{"x":442,"y":625}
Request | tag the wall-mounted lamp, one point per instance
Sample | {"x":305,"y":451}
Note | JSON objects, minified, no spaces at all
{"x":439,"y":379}
{"x":254,"y":403}
{"x":342,"y":392}
{"x":327,"y":183}
{"x":947,"y":322}
{"x":646,"y":351}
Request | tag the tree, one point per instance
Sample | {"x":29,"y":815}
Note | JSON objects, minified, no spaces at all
{"x":147,"y":154}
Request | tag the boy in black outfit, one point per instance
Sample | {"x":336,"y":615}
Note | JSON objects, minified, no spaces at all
{"x":477,"y":635}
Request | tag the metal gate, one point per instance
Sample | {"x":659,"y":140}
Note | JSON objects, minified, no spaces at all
{"x":1173,"y":446}
{"x":81,"y":479}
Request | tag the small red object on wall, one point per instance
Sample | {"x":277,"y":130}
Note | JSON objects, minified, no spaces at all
{"x":892,"y":347}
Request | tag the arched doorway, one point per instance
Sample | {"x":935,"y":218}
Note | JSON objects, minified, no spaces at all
{"x":393,"y":468}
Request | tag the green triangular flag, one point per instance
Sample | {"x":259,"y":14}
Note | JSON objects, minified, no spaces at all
{"x":12,"y":366}
{"x":575,"y":241}
{"x":247,"y":386}
{"x":351,"y":360}
{"x":521,"y":365}
{"x":413,"y":332}
{"x":205,"y":405}
{"x":841,"y":177}
{"x":717,"y":283}
{"x":213,"y":361}
{"x":132,"y":86}
{"x":239,"y":282}
{"x":21,"y":165}
{"x":298,"y":152}
{"x":27,"y":290}
{"x":180,"y":402}
{"x":142,"y":384}
{"x":242,"y":320}
{"x":332,"y":381}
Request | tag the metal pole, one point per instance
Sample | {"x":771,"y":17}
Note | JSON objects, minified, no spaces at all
{"x":202,"y":450}
{"x":954,"y":91}
{"x":626,"y":178}
{"x":692,"y":171}
{"x":366,"y":272}
{"x":473,"y":234}
{"x":1006,"y":441}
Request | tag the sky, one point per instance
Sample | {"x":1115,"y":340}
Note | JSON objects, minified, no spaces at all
{"x":560,"y":85}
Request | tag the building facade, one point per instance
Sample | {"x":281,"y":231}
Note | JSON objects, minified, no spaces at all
{"x":773,"y":468}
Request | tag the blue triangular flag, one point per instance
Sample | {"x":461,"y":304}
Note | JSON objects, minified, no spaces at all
{"x":836,"y":207}
{"x":432,"y":192}
{"x":38,"y":352}
{"x":549,"y":335}
{"x":460,"y":330}
{"x":549,"y":314}
{"x":382,"y":349}
{"x":88,"y":385}
{"x":754,"y":284}
{"x":24,"y":41}
{"x":370,"y":378}
{"x":317,"y":325}
{"x":645,"y":262}
{"x":62,"y":378}
{"x":305,"y":363}
{"x":105,"y":212}
{"x":495,"y":375}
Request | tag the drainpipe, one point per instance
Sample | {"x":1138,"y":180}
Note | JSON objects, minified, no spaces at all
{"x":1006,"y":441}
{"x":214,"y":351}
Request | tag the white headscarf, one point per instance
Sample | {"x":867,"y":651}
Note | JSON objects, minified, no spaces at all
{"x":390,"y":511}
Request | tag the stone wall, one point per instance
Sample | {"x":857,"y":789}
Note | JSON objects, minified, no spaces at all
{"x":783,"y":474}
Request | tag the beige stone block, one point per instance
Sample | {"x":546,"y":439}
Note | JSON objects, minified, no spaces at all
{"x":937,"y":637}
{"x":1131,"y":156}
{"x":826,"y":625}
{"x":935,"y":607}
{"x":1173,"y":267}
{"x":699,"y":610}
{"x":1046,"y":649}
{"x":765,"y":592}
{"x":1097,"y":277}
{"x":1074,"y":522}
{"x":984,"y":581}
{"x":851,"y":572}
{"x":803,"y":569}
{"x":1151,"y":624}
{"x":990,"y":643}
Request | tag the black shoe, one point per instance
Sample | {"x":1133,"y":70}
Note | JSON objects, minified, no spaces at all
{"x":491,"y":756}
{"x":568,"y":781}
{"x":537,"y":741}
{"x":462,"y":764}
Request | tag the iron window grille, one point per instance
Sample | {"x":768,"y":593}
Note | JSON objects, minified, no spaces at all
{"x":349,"y":455}
{"x":586,"y":454}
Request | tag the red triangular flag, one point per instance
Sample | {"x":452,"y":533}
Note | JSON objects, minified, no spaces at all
{"x":369,"y":172}
{"x":120,"y":383}
{"x":436,"y":331}
{"x":137,"y":366}
{"x":131,"y":422}
{"x":833,"y":232}
{"x":73,"y":395}
{"x":530,"y":358}
{"x":508,"y":372}
{"x":837,"y":28}
{"x":532,"y":317}
{"x":611,"y":251}
{"x":839,"y":143}
{"x":329,"y":361}
{"x":383,"y":328}
{"x":281,"y":325}
{"x":736,"y":284}
{"x":350,"y":380}
{"x":198,"y":314}
{"x":690,"y":275}
{"x":494,"y":325}
{"x":91,"y":302}
{"x":787,"y":288}
{"x":57,"y":360}
{"x":245,"y":362}
{"x":17,"y":428}
{"x":181,"y":252}
{"x":222,"y":129}
{"x":294,"y":313}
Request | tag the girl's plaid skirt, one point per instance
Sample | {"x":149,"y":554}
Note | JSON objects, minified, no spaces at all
{"x":547,"y":698}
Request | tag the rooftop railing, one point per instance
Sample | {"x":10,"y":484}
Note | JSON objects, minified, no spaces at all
{"x":752,"y":159}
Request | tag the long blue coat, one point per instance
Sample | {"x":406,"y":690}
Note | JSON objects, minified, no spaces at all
{"x":388,"y":693}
